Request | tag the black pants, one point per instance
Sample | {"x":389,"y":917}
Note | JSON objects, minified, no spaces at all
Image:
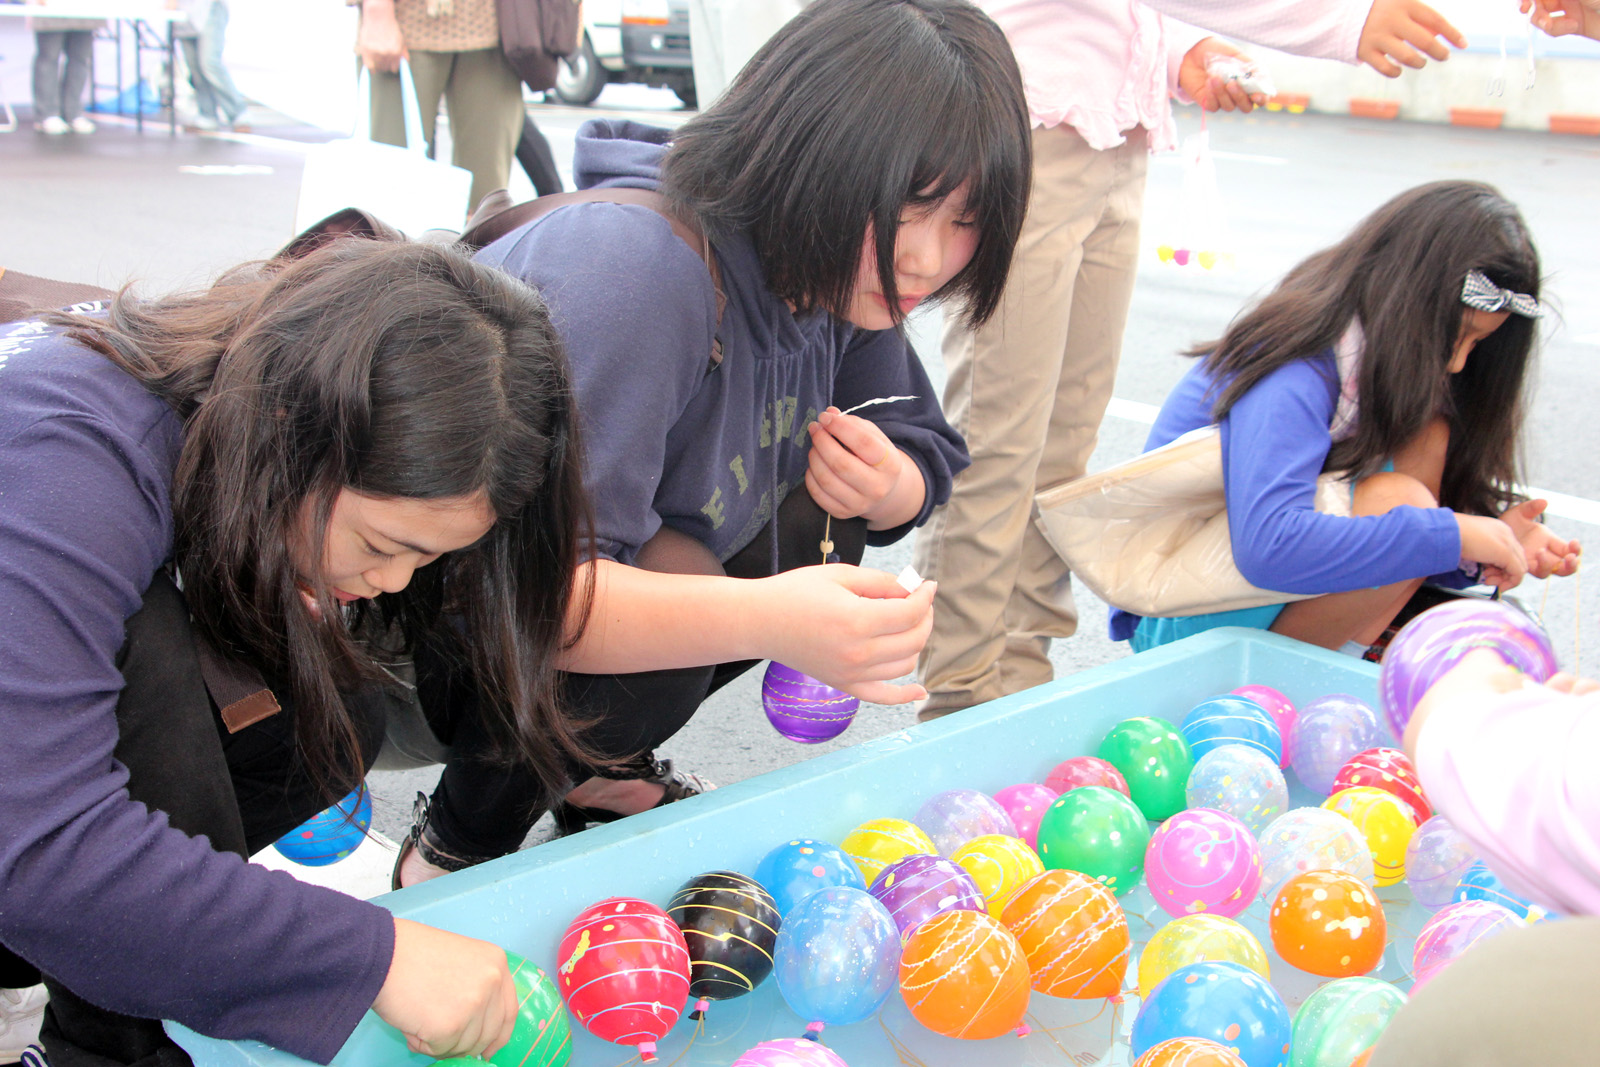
{"x":241,"y":790}
{"x":482,"y":809}
{"x":533,"y":152}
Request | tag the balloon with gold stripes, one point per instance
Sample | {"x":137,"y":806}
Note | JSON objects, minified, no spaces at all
{"x":541,"y":1036}
{"x":730,"y":924}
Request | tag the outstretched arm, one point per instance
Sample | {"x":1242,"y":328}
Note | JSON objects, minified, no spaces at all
{"x":851,"y":627}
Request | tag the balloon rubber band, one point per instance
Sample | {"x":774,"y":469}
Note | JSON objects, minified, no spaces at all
{"x":813,"y":1031}
{"x":647,"y":1052}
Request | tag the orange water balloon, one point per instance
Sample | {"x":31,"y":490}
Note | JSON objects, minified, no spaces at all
{"x":962,"y":974}
{"x":1328,"y":923}
{"x":1074,"y":934}
{"x":1189,"y":1052}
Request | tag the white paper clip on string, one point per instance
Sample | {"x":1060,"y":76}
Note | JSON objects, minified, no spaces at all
{"x":909,"y":579}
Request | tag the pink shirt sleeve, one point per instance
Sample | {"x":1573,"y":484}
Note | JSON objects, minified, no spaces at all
{"x":1321,"y":29}
{"x":1516,"y":773}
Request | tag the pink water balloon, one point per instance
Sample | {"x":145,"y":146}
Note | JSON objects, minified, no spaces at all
{"x":1026,"y":804}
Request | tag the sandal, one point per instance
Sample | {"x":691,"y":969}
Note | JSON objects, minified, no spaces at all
{"x":677,"y":785}
{"x":421,"y":839}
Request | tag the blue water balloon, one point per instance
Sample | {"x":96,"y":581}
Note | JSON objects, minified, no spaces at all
{"x":838,"y":957}
{"x":1231,"y":720}
{"x":799,"y":867}
{"x":330,"y":836}
{"x":1223,"y":1002}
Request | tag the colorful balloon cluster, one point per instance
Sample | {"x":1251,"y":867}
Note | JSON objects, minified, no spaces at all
{"x":978,"y":901}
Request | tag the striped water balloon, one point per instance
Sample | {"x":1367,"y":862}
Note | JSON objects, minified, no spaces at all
{"x":963,"y":975}
{"x":877,"y":843}
{"x":624,"y":971}
{"x":730,"y":925}
{"x":1074,"y":934}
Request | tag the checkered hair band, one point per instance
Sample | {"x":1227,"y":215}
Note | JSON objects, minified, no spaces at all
{"x":1484,"y":295}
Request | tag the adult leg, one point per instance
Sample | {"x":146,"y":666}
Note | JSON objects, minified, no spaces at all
{"x":205,"y":101}
{"x":484,"y":97}
{"x":1523,"y":999}
{"x":47,"y":73}
{"x":1005,"y":380}
{"x":230,"y":103}
{"x":1041,"y":605}
{"x":429,"y":72}
{"x":75,"y":78}
{"x":533,"y":152}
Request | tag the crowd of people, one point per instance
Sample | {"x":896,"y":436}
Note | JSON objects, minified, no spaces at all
{"x":569,"y":479}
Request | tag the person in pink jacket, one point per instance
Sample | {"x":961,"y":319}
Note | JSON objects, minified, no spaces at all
{"x":1511,"y":764}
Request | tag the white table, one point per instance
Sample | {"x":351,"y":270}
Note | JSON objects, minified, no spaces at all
{"x":143,"y":16}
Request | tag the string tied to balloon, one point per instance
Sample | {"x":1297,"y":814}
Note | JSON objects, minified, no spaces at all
{"x":813,"y":1031}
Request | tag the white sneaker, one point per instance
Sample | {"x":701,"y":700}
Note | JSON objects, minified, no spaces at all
{"x":21,"y":1012}
{"x":82,"y":124}
{"x":55,"y":126}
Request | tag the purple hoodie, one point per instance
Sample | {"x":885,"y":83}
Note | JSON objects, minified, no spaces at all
{"x":95,"y":889}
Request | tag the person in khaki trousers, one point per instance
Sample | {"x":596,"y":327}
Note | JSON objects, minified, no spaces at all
{"x":453,"y":47}
{"x":1028,"y":389}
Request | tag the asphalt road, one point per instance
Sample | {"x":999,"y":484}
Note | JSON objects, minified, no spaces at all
{"x":166,"y":212}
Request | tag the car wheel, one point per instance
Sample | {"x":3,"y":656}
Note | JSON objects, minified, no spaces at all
{"x":580,"y":77}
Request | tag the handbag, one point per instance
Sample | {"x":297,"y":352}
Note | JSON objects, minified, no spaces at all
{"x":536,"y":34}
{"x":401,"y":186}
{"x":1150,"y":536}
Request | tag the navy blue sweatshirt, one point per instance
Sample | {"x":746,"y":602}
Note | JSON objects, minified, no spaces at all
{"x":95,"y":889}
{"x":670,"y":440}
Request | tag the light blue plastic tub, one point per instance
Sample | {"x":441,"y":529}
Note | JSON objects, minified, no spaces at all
{"x":525,"y":901}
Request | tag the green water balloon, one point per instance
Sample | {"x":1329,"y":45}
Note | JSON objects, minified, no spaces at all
{"x":542,"y":1036}
{"x":1155,"y":759}
{"x":1097,"y":831}
{"x":1341,"y":1020}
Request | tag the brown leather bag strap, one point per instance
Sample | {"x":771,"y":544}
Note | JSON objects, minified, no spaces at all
{"x":487,"y":226}
{"x":23,"y":295}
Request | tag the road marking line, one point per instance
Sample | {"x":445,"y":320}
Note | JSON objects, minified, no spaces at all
{"x":1562,"y":505}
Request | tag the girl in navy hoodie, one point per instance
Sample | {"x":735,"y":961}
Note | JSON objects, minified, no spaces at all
{"x":872,"y":157}
{"x":1400,"y":356}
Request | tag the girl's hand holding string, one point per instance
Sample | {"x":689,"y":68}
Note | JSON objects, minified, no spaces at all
{"x":1493,"y":544}
{"x":1546,"y":553}
{"x":851,"y":627}
{"x":449,"y":995}
{"x":856,"y":471}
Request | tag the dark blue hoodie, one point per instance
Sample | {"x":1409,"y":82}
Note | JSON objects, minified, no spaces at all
{"x":669,"y":439}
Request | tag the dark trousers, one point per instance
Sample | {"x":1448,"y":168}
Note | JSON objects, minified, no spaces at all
{"x":481,"y":809}
{"x":242,"y":791}
{"x":533,"y":152}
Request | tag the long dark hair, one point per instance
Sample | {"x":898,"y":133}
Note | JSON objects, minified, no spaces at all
{"x":1399,"y":274}
{"x":853,"y":111}
{"x":398,"y":371}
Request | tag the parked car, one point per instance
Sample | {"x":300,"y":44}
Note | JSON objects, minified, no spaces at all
{"x":645,"y":41}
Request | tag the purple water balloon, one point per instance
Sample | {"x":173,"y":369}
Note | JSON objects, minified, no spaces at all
{"x":804,"y":709}
{"x":956,"y":816}
{"x":1026,"y":804}
{"x":1433,"y":642}
{"x":790,"y":1052}
{"x":920,"y":887}
{"x":1455,"y":929}
{"x":1327,"y":732}
{"x":1436,"y":858}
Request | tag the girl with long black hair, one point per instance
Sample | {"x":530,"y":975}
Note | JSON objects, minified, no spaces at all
{"x":207,"y":503}
{"x":1401,"y":356}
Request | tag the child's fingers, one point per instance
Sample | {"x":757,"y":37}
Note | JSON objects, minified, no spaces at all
{"x":833,"y":452}
{"x":825,"y":500}
{"x":861,"y":436}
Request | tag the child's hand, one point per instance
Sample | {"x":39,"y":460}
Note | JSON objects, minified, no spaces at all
{"x":1493,"y":544}
{"x":854,"y":467}
{"x":852,"y":628}
{"x":1546,"y":553}
{"x":1395,"y":29}
{"x":449,"y":995}
{"x":1561,"y":17}
{"x":1207,"y":90}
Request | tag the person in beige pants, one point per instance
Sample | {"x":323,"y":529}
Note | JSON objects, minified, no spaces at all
{"x":453,"y":47}
{"x":1027,"y":392}
{"x":1029,"y":389}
